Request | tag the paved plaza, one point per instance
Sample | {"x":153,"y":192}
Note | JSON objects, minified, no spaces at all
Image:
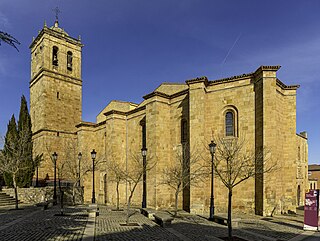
{"x":33,"y":223}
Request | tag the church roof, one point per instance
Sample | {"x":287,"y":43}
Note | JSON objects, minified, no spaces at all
{"x":314,"y":167}
{"x":56,"y":27}
{"x":116,"y":105}
{"x":171,"y":88}
{"x":244,"y":76}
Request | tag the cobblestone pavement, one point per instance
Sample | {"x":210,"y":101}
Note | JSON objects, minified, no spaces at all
{"x":34,"y":224}
{"x":108,"y":227}
{"x":193,"y":227}
{"x":8,"y":214}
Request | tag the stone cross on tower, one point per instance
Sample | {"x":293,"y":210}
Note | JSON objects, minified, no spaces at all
{"x":57,"y":11}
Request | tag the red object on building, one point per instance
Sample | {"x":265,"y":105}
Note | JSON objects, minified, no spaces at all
{"x":311,"y":211}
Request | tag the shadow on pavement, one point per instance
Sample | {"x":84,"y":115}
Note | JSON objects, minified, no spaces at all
{"x":108,"y":228}
{"x":41,"y":224}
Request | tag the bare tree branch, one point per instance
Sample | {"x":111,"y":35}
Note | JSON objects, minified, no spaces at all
{"x":8,"y":39}
{"x":187,"y":169}
{"x":234,"y":164}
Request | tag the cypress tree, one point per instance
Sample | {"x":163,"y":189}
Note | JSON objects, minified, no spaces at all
{"x":19,"y":140}
{"x":11,"y":141}
{"x":25,"y":134}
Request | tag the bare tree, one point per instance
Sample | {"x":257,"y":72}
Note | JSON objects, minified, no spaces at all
{"x":187,"y":169}
{"x":133,"y":176}
{"x":234,"y":164}
{"x":118,"y":176}
{"x":60,"y":164}
{"x":77,"y":166}
{"x":13,"y":158}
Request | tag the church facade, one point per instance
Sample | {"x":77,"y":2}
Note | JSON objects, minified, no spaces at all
{"x":257,"y":106}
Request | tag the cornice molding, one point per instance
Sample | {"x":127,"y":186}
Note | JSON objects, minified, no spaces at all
{"x":125,"y":113}
{"x":44,"y":71}
{"x":287,"y":87}
{"x":55,"y":131}
{"x":160,"y":94}
{"x":60,"y":35}
{"x":202,"y":79}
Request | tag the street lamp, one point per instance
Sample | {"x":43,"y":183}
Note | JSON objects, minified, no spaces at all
{"x":55,"y":157}
{"x":93,"y":156}
{"x":212,"y":147}
{"x":79,"y":161}
{"x":144,"y":190}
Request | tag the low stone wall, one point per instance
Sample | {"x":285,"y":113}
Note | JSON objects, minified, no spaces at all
{"x":33,"y":195}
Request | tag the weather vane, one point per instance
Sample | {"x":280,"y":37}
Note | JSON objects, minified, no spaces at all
{"x":57,"y":11}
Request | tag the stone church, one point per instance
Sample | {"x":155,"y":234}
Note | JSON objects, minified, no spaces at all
{"x":257,"y":105}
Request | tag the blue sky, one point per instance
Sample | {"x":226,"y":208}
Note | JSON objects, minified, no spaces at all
{"x":131,"y":46}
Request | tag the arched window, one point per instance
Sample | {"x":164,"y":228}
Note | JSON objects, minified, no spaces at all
{"x":184,"y":131}
{"x":55,"y":56}
{"x":69,"y":60}
{"x":229,"y":123}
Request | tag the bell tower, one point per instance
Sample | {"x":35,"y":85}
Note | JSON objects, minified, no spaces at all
{"x":55,"y":91}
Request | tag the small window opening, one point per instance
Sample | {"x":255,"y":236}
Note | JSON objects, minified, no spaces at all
{"x":55,"y":56}
{"x":184,"y":131}
{"x":58,"y":95}
{"x":58,"y":133}
{"x":230,"y":123}
{"x":144,"y":135}
{"x":69,"y":60}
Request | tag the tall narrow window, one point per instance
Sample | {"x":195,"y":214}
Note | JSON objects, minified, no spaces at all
{"x":144,"y":134}
{"x":69,"y":60}
{"x":229,"y":123}
{"x":55,"y":56}
{"x":184,"y":131}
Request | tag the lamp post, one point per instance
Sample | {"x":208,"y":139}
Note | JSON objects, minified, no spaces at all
{"x":55,"y":157}
{"x":93,"y":156}
{"x":144,"y":190}
{"x":79,"y":163}
{"x":212,"y":147}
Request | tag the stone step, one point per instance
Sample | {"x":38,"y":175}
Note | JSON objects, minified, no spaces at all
{"x":6,"y":199}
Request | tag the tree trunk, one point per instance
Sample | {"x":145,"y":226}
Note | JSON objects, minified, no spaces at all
{"x":176,"y":203}
{"x":128,"y":208}
{"x":15,"y":190}
{"x":74,"y":193}
{"x":229,"y":215}
{"x":129,"y":201}
{"x":118,"y":196}
{"x":176,"y":200}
